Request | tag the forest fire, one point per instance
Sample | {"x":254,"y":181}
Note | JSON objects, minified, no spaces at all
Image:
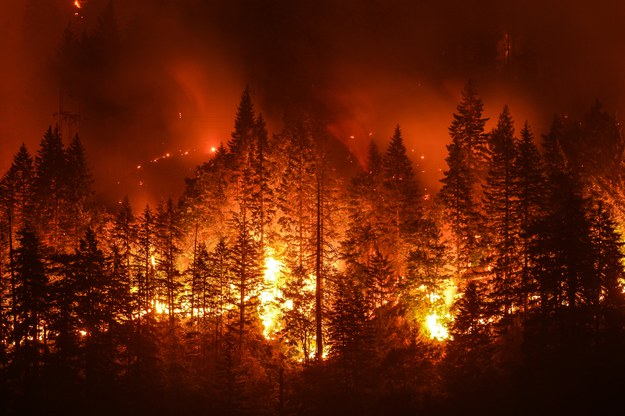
{"x":270,"y":296}
{"x":305,"y":264}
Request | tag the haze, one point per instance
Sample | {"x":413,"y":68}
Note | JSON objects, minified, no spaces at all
{"x":362,"y":67}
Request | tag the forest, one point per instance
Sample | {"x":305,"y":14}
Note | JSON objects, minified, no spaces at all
{"x":285,"y":280}
{"x":277,"y":284}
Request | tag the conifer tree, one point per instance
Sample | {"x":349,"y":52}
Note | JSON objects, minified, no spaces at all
{"x":16,"y":187}
{"x":469,"y":353}
{"x":246,"y":275}
{"x":31,"y":306}
{"x":499,"y":203}
{"x":219,"y":268}
{"x":368,"y":229}
{"x":530,"y":192}
{"x":146,"y":261}
{"x":403,"y":206}
{"x":168,"y":234}
{"x":16,"y":200}
{"x":245,"y":128}
{"x":79,"y":189}
{"x":50,"y":188}
{"x":95,"y":308}
{"x":461,"y":193}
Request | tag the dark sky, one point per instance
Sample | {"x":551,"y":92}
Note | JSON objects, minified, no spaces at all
{"x":363,"y":66}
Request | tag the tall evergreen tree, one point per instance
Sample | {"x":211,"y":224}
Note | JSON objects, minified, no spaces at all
{"x":246,"y":275}
{"x":50,"y":188}
{"x":31,"y":308}
{"x":499,"y":203}
{"x":245,"y":127}
{"x":530,"y":193}
{"x":79,"y":190}
{"x":168,"y":234}
{"x":95,"y":309}
{"x":16,"y":200}
{"x":403,"y":206}
{"x":146,"y":260}
{"x":461,"y":193}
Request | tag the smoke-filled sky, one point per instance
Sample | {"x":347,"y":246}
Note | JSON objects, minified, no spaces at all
{"x":362,"y":66}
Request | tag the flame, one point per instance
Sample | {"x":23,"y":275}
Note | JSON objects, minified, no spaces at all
{"x":440,"y":310}
{"x":269,"y":309}
{"x":437,"y":329}
{"x":160,"y":308}
{"x":78,"y":4}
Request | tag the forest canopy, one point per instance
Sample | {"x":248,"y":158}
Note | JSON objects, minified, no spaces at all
{"x":279,"y":284}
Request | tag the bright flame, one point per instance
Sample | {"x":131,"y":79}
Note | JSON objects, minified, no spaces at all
{"x":440,"y":310}
{"x":437,"y":329}
{"x":78,"y":4}
{"x":160,"y":308}
{"x":269,"y":309}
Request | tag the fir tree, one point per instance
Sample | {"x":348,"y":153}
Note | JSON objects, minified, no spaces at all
{"x":168,"y":234}
{"x":403,"y":206}
{"x":246,"y":275}
{"x":50,"y":187}
{"x":31,"y":307}
{"x":499,"y":203}
{"x":530,"y":193}
{"x":219,"y":279}
{"x":245,"y":127}
{"x":79,"y":189}
{"x":461,"y":193}
{"x":94,"y":308}
{"x":16,"y":200}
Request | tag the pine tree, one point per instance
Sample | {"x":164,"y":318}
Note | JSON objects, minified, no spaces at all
{"x":245,"y":127}
{"x":31,"y":307}
{"x":326,"y":234}
{"x":94,"y":308}
{"x":296,"y":201}
{"x":298,"y":303}
{"x":219,"y":268}
{"x":246,"y":274}
{"x":469,"y":353}
{"x":16,"y":200}
{"x":16,"y":187}
{"x":79,"y":190}
{"x":425,"y":291}
{"x":50,"y":188}
{"x":146,"y":261}
{"x":348,"y":327}
{"x":499,"y":203}
{"x":461,"y":193}
{"x":168,"y":234}
{"x":123,"y":236}
{"x":530,"y":192}
{"x":403,"y":206}
{"x":368,"y":226}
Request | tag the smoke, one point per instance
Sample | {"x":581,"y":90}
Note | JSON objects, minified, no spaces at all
{"x":362,"y":67}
